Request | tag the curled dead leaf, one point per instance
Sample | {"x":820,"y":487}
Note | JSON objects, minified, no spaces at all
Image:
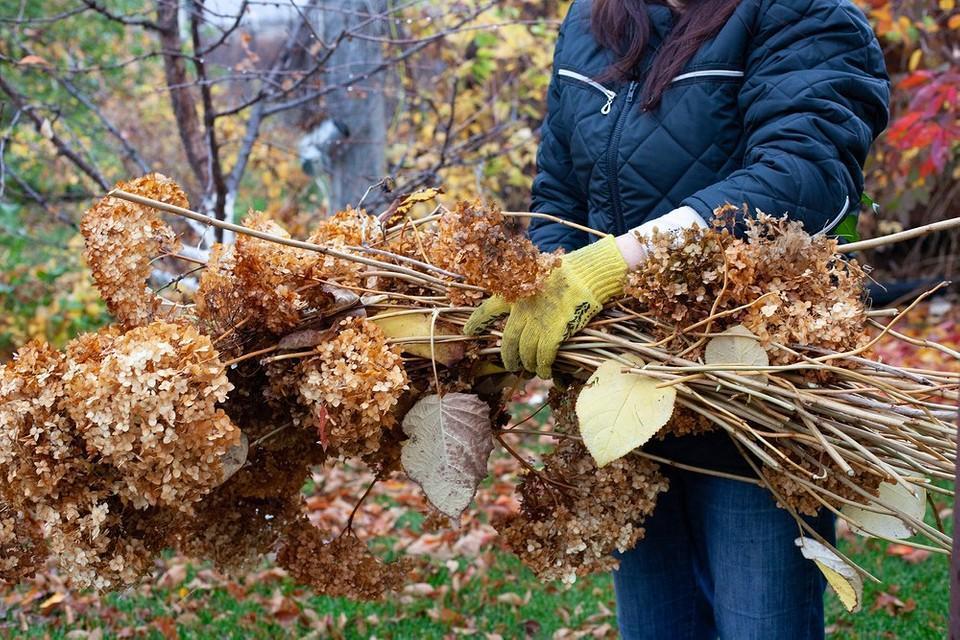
{"x":842,"y":578}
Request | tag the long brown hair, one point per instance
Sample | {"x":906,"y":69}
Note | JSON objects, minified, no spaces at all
{"x":623,"y":26}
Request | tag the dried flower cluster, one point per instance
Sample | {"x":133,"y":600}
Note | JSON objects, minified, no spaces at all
{"x":794,"y":289}
{"x":122,"y":238}
{"x":235,"y":525}
{"x":826,"y":475}
{"x":341,"y":567}
{"x":90,"y":438}
{"x":348,"y":228}
{"x":22,"y":548}
{"x":478,"y":242}
{"x":564,"y":533}
{"x":258,"y":283}
{"x":254,"y":281}
{"x":685,"y":422}
{"x":348,"y":388}
{"x":145,"y":402}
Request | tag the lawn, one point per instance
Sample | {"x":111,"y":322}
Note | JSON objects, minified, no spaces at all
{"x":465,"y":587}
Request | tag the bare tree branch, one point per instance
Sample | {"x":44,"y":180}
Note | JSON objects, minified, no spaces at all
{"x":128,"y":149}
{"x":37,"y":197}
{"x":122,"y":19}
{"x":226,"y":32}
{"x":387,"y":63}
{"x":20,"y":102}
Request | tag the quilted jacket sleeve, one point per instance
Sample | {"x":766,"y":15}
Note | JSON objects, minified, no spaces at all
{"x":554,"y":187}
{"x":815,"y":96}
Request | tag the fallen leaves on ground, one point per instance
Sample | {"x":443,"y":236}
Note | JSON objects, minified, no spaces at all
{"x":907,"y":553}
{"x":890,"y":602}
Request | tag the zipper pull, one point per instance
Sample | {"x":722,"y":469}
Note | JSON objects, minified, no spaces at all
{"x":632,"y":91}
{"x":609,"y":105}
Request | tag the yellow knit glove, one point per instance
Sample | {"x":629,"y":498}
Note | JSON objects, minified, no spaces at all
{"x":574,"y":293}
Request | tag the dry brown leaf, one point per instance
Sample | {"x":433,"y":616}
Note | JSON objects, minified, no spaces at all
{"x":33,"y":60}
{"x":451,"y":439}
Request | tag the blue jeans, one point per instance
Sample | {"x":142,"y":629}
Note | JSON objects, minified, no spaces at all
{"x":719,"y":560}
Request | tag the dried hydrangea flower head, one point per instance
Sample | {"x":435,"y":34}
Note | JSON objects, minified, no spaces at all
{"x":794,"y":288}
{"x":349,"y":388}
{"x":146,"y":403}
{"x":53,"y":479}
{"x":40,"y":449}
{"x":478,"y":242}
{"x":122,"y":238}
{"x":347,"y":228}
{"x":562,"y":534}
{"x":811,"y":296}
{"x":95,"y":542}
{"x":253,"y":280}
{"x":22,"y":548}
{"x":265,"y":284}
{"x":239,"y":522}
{"x":343,"y":567}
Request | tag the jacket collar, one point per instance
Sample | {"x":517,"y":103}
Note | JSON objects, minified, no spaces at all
{"x":661,"y":22}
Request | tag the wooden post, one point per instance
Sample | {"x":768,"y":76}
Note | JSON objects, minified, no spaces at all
{"x":955,"y":557}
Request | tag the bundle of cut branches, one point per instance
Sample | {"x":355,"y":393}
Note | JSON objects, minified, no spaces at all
{"x":194,"y":420}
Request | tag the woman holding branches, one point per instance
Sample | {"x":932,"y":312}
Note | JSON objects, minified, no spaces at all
{"x":658,"y":113}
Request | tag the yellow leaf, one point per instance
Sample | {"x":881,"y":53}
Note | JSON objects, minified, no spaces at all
{"x":738,"y":346}
{"x":619,"y":412}
{"x":915,"y":59}
{"x":842,"y":578}
{"x":55,"y":599}
{"x":483,"y":368}
{"x":948,"y":5}
{"x":423,"y":195}
{"x":415,"y":328}
{"x":896,"y":497}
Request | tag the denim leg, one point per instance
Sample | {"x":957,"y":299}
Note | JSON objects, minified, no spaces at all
{"x":657,"y":593}
{"x":760,"y":585}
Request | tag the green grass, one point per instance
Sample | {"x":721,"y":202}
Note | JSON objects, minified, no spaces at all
{"x":478,"y":605}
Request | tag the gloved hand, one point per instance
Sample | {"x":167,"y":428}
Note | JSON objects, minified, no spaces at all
{"x":574,"y":293}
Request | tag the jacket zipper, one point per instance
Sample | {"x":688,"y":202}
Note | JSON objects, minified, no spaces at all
{"x":613,"y":169}
{"x":721,"y":73}
{"x":610,"y":95}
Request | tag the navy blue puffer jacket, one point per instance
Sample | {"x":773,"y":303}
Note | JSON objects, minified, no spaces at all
{"x":777,"y":112}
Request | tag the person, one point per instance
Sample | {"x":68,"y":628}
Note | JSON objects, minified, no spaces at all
{"x":657,"y":114}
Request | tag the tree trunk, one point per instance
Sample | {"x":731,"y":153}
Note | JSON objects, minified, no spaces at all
{"x":357,"y":159}
{"x":181,"y":91}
